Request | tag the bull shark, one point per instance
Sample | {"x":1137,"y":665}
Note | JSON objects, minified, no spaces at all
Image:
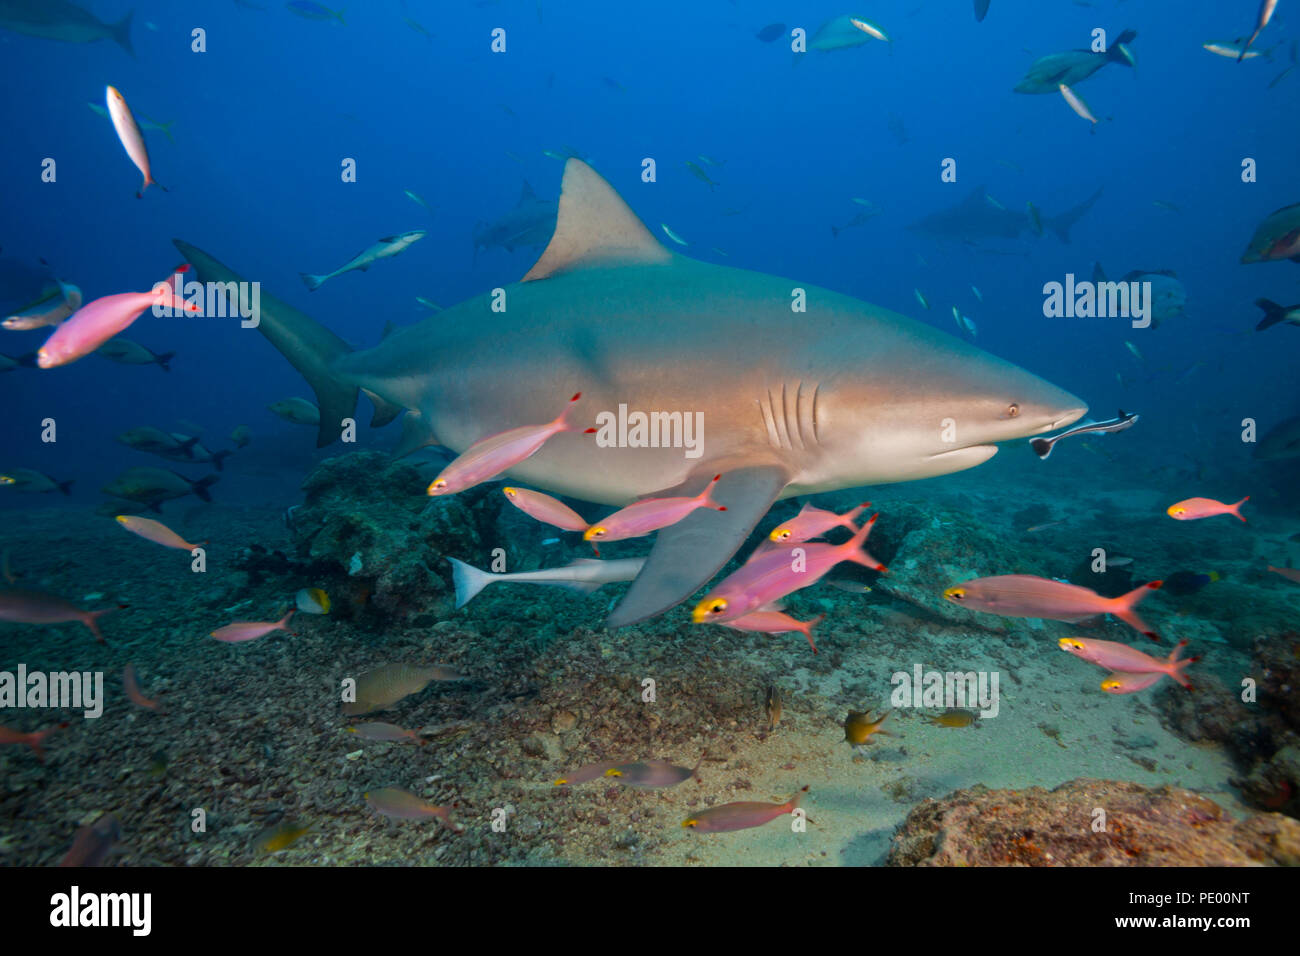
{"x":978,"y":216}
{"x":61,"y":20}
{"x":836,"y":396}
{"x":530,"y":224}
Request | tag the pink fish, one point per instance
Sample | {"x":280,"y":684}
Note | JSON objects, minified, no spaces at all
{"x":403,"y":805}
{"x":69,"y":302}
{"x":776,"y":622}
{"x":652,"y":774}
{"x":771,"y":574}
{"x":1129,"y":660}
{"x":33,"y":607}
{"x":95,"y":323}
{"x":593,"y":771}
{"x":132,"y":139}
{"x":545,"y":508}
{"x":155,"y":531}
{"x":94,"y":843}
{"x":1193,"y":508}
{"x":35,"y":739}
{"x":1023,"y":595}
{"x":1291,"y":574}
{"x":251,"y":630}
{"x":133,"y":691}
{"x":489,"y":457}
{"x":1123,"y":683}
{"x":741,"y":816}
{"x":651,"y":515}
{"x":813,"y":522}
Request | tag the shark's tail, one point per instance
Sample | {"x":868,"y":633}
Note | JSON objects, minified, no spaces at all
{"x":312,"y":282}
{"x":1063,"y":223}
{"x":164,"y":360}
{"x":310,"y":347}
{"x":1118,"y":52}
{"x":468,"y":580}
{"x":121,"y":33}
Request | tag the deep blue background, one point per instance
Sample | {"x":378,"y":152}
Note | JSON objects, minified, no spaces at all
{"x":265,"y":116}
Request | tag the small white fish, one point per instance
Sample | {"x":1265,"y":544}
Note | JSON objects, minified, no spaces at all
{"x":1232,"y":51}
{"x":965,"y":323}
{"x":1134,"y":349}
{"x":128,"y":131}
{"x":672,"y":235}
{"x":1076,"y":103}
{"x":979,"y":295}
{"x":870,"y":29}
{"x":383,"y":249}
{"x":921,"y":298}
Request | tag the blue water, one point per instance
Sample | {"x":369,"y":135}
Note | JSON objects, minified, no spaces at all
{"x":265,"y":116}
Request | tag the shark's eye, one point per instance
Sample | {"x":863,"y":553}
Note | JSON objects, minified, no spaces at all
{"x":1013,"y":410}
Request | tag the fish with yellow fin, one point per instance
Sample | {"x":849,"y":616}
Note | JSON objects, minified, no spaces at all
{"x":859,"y":728}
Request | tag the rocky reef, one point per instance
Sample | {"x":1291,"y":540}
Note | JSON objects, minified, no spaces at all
{"x":1141,"y":826}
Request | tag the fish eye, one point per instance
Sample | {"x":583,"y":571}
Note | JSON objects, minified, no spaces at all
{"x":598,"y":532}
{"x":717,"y":607}
{"x":509,"y":492}
{"x":1013,"y":410}
{"x":689,"y":823}
{"x":955,"y":594}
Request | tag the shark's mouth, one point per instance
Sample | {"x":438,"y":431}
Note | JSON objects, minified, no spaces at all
{"x":976,"y":453}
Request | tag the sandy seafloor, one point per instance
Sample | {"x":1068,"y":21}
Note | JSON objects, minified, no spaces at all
{"x":253,"y":733}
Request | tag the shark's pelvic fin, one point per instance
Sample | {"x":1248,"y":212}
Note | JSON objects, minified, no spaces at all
{"x":417,"y":433}
{"x":594,"y":225}
{"x":309,"y":346}
{"x":385,"y":411}
{"x":686,"y":555}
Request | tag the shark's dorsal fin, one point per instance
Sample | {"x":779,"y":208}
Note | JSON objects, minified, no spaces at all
{"x":594,"y":225}
{"x":526,"y":194}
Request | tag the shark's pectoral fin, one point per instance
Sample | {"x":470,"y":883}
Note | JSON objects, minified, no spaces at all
{"x":385,"y":411}
{"x":686,"y":555}
{"x":417,"y":433}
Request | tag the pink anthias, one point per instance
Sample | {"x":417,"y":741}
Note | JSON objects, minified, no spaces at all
{"x":155,"y":531}
{"x":650,"y":515}
{"x":1192,"y":508}
{"x":770,"y":575}
{"x":251,"y":630}
{"x":776,"y":622}
{"x":812,"y":522}
{"x":133,"y":692}
{"x":496,"y":454}
{"x":36,"y":607}
{"x":1291,"y":574}
{"x":1025,"y":595}
{"x":96,"y":322}
{"x":1129,"y":661}
{"x":35,"y":739}
{"x":404,"y":805}
{"x":546,"y":509}
{"x":741,"y":816}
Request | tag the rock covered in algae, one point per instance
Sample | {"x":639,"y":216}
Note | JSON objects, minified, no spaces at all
{"x":1142,"y":826}
{"x":371,"y":517}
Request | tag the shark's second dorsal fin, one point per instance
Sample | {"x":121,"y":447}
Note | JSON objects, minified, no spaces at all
{"x":594,"y":225}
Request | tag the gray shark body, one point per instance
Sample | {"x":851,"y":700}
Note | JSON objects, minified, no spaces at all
{"x":792,"y":402}
{"x":978,"y":217}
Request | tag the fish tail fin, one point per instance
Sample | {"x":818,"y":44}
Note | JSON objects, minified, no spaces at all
{"x":561,"y":423}
{"x":283,"y":623}
{"x":201,"y":487}
{"x":219,"y":456}
{"x":310,"y":348}
{"x":1123,"y":607}
{"x":339,"y":15}
{"x":851,"y":515}
{"x":66,"y":486}
{"x":311,"y":282}
{"x":1115,"y":53}
{"x":1242,"y":55}
{"x":1042,"y":447}
{"x":1062,"y":224}
{"x":163,"y":361}
{"x":1178,"y":667}
{"x":1273,"y":314}
{"x":91,"y":621}
{"x":808,"y":630}
{"x":468,"y":581}
{"x":121,"y":33}
{"x":187,"y":446}
{"x":705,"y":499}
{"x":1235,"y":509}
{"x":36,"y":740}
{"x":797,"y":798}
{"x":853,"y":547}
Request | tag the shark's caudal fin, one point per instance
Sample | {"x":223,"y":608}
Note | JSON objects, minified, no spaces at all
{"x":309,"y":346}
{"x":594,"y":225}
{"x":121,"y":33}
{"x":1118,"y":51}
{"x":1273,"y":314}
{"x":1062,"y":224}
{"x":686,"y":555}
